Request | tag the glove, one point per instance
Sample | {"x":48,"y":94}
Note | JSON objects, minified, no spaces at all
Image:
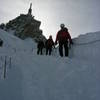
{"x":56,"y":43}
{"x":71,"y":42}
{"x":54,"y":46}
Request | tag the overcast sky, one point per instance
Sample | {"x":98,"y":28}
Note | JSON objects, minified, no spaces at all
{"x":80,"y":16}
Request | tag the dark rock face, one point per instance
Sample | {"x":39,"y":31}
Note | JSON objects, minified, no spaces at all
{"x":2,"y":26}
{"x":26,"y":26}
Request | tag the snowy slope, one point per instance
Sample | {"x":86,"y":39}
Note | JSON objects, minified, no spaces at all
{"x":32,"y":77}
{"x":87,"y":46}
{"x":11,"y":87}
{"x":13,"y":44}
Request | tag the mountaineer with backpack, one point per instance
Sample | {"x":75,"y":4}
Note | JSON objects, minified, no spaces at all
{"x":40,"y":47}
{"x":1,"y":42}
{"x":63,"y":37}
{"x":49,"y":44}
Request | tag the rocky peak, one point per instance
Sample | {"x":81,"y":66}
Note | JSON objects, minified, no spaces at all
{"x":25,"y":26}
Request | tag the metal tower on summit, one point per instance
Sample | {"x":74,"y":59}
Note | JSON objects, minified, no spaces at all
{"x":30,"y":9}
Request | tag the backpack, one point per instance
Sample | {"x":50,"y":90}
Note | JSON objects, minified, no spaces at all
{"x":49,"y":43}
{"x":63,"y":34}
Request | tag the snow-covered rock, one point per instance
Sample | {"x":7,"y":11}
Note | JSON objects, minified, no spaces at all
{"x":24,"y":26}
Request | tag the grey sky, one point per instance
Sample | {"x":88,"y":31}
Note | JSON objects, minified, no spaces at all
{"x":80,"y":16}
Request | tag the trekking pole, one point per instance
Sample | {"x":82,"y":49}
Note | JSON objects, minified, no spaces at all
{"x":10,"y":62}
{"x":55,"y":49}
{"x":32,"y":49}
{"x":5,"y":65}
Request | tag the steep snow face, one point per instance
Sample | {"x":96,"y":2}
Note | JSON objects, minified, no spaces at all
{"x":13,"y":47}
{"x":88,"y":38}
{"x":13,"y":44}
{"x":87,"y":46}
{"x":10,"y":40}
{"x":31,"y":76}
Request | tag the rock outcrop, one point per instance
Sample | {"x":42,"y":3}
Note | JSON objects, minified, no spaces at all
{"x":25,"y":26}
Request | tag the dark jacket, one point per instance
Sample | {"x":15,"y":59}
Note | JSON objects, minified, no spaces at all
{"x":40,"y":44}
{"x":1,"y":43}
{"x":49,"y":43}
{"x":63,"y":35}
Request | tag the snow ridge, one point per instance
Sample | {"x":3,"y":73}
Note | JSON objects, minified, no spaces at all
{"x":51,"y":77}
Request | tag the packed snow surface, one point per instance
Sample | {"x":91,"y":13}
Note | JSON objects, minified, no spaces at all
{"x":39,"y":77}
